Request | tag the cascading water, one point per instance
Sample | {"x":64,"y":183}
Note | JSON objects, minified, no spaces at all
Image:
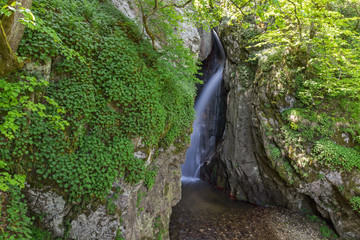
{"x":207,"y":107}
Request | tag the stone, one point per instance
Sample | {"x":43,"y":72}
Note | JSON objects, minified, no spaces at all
{"x":197,"y":40}
{"x":243,"y":165}
{"x":43,"y":70}
{"x":141,"y":213}
{"x":51,"y":205}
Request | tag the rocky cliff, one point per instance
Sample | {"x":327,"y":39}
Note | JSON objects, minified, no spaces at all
{"x":131,"y":211}
{"x":123,"y":182}
{"x":265,"y":157}
{"x":196,"y":39}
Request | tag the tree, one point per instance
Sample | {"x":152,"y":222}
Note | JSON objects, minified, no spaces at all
{"x":152,"y":10}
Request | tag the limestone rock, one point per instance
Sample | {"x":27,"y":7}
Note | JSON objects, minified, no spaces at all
{"x":197,"y":40}
{"x":51,"y":205}
{"x":245,"y":165}
{"x":140,"y":213}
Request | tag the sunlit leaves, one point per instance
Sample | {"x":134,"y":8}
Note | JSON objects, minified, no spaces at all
{"x":15,"y":97}
{"x":115,"y":87}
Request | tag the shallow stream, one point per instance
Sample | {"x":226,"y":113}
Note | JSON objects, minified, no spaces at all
{"x":207,"y":213}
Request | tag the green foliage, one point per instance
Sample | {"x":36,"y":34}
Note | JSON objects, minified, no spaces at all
{"x":289,"y":171}
{"x":159,"y":229}
{"x":327,"y":232}
{"x":324,"y":229}
{"x":140,"y":197}
{"x":13,"y":215}
{"x":319,"y":40}
{"x":310,"y":124}
{"x":7,"y":180}
{"x":12,"y":208}
{"x":118,"y":235}
{"x":16,"y":96}
{"x":275,"y":152}
{"x":326,"y":35}
{"x":333,"y":155}
{"x":107,"y":86}
{"x":150,"y":178}
{"x":39,"y":234}
{"x":110,"y":206}
{"x":355,"y":203}
{"x":313,"y":218}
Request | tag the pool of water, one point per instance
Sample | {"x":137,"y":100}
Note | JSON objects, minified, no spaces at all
{"x":207,"y":213}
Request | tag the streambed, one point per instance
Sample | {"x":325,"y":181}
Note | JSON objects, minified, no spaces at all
{"x":207,"y":213}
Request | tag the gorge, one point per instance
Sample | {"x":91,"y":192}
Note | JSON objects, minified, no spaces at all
{"x":97,"y":113}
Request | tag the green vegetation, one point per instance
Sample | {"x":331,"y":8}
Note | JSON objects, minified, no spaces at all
{"x":114,"y":88}
{"x":324,"y":229}
{"x":310,"y":124}
{"x":107,"y":86}
{"x":39,"y":234}
{"x":275,"y":152}
{"x":159,"y":229}
{"x":14,"y":223}
{"x":289,"y":171}
{"x":334,"y":155}
{"x":327,"y":232}
{"x":355,"y":202}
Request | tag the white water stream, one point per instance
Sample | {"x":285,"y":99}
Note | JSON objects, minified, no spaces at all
{"x":202,"y":143}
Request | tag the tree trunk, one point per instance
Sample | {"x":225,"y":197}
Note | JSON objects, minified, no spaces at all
{"x":11,"y":32}
{"x":13,"y":28}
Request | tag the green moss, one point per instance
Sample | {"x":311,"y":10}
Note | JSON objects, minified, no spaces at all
{"x":289,"y":171}
{"x":159,"y":229}
{"x":310,"y":124}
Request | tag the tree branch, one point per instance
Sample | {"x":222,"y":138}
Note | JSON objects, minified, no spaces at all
{"x":145,"y":17}
{"x":11,"y":31}
{"x":240,"y":7}
{"x":297,"y":18}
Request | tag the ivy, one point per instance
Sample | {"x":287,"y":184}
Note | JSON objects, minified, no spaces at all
{"x":107,"y":86}
{"x":15,"y":224}
{"x":334,"y":155}
{"x":16,"y":96}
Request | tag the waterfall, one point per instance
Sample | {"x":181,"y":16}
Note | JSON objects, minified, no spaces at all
{"x":203,"y":138}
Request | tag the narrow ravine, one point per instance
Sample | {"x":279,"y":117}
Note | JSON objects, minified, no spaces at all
{"x":207,"y":213}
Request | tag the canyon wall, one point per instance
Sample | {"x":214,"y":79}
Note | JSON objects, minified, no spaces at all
{"x":262,"y":159}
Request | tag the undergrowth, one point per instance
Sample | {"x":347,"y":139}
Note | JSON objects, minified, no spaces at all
{"x":108,"y":86}
{"x":115,"y":88}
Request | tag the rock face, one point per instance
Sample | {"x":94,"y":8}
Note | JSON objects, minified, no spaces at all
{"x":130,"y":211}
{"x":197,"y":40}
{"x":133,"y":213}
{"x":255,"y":161}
